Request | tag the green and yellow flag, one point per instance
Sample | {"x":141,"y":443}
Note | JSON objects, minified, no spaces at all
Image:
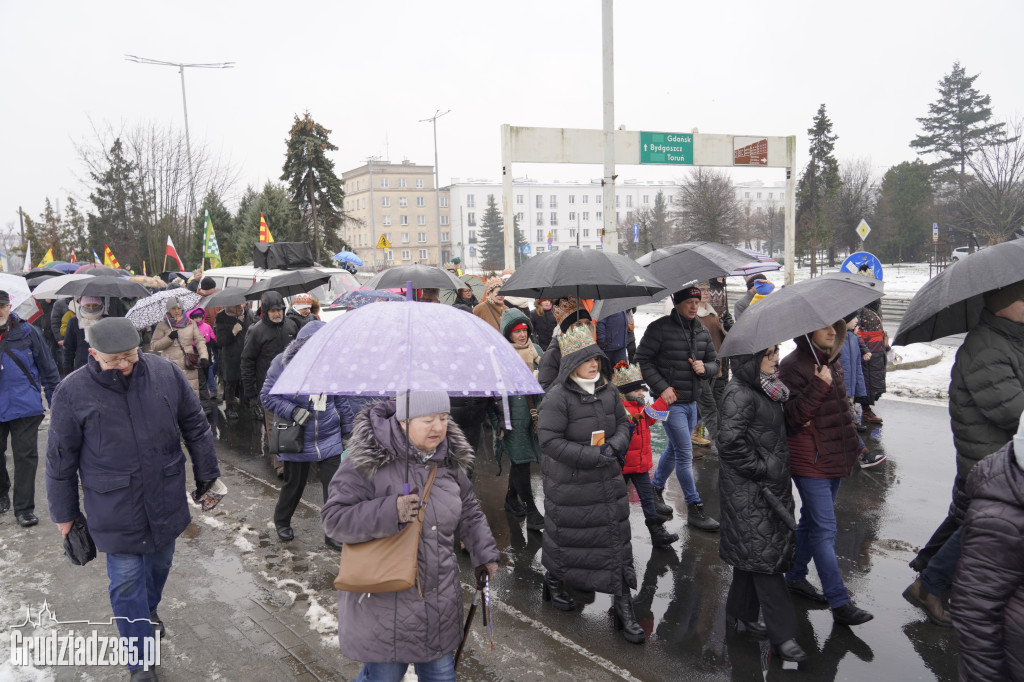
{"x":47,"y":259}
{"x":210,"y":248}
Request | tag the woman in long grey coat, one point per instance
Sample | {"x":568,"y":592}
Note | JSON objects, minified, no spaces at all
{"x":389,"y":631}
{"x":754,"y":479}
{"x":584,"y":433}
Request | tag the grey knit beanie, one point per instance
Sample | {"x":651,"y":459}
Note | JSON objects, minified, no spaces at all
{"x":421,"y":403}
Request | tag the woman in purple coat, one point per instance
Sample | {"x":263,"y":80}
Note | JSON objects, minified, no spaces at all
{"x":394,"y":443}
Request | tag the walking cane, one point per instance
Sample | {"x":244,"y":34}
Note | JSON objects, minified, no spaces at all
{"x":469,"y":621}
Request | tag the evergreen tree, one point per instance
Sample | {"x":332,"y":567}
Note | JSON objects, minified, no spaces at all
{"x":904,"y":215}
{"x":492,"y":238}
{"x":73,"y":230}
{"x":817,"y":188}
{"x":223,"y":226}
{"x":118,"y":203}
{"x":282,"y":218}
{"x":315,"y":189}
{"x":957,"y":124}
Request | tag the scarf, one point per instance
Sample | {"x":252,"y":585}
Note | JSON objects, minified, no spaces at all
{"x":176,"y":325}
{"x":86,"y":319}
{"x":773,"y":387}
{"x":528,"y":353}
{"x":588,"y":385}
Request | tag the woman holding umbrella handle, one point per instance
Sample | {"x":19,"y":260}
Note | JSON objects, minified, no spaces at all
{"x":177,"y":336}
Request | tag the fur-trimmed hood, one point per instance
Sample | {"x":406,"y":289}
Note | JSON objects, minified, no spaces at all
{"x":378,"y":440}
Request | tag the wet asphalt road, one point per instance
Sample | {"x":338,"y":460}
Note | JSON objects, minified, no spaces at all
{"x":884,"y":513}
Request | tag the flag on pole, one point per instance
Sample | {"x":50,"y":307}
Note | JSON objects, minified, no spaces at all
{"x":47,"y":258}
{"x":73,"y":258}
{"x":265,"y":236}
{"x":144,"y":274}
{"x":210,"y":248}
{"x":108,"y":258}
{"x":27,"y":265}
{"x":95,"y":258}
{"x":173,"y":253}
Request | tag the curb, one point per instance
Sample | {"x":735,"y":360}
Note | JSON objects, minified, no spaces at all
{"x":915,"y":364}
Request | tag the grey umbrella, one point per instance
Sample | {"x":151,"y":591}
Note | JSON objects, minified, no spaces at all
{"x":676,"y":267}
{"x":421,"y":276}
{"x":951,"y":302}
{"x":226,"y":297}
{"x":585,"y":273}
{"x":288,"y":284}
{"x":103,"y":285}
{"x":799,"y":309}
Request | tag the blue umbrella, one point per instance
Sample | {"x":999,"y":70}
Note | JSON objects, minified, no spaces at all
{"x":349,"y":257}
{"x":357,"y":298}
{"x":66,"y":268}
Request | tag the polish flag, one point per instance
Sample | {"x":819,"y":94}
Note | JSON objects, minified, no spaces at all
{"x":173,"y":253}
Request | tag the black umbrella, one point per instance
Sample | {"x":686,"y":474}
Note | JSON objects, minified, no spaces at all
{"x":40,"y":275}
{"x":288,"y":284}
{"x":799,"y":309}
{"x":421,"y":276}
{"x":951,"y":302}
{"x":78,"y":544}
{"x":677,"y":266}
{"x":224,"y":298}
{"x":584,"y":273}
{"x":103,"y":271}
{"x":104,"y":286}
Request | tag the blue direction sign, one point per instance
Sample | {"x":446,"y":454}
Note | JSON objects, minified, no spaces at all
{"x":636,"y":234}
{"x":863,"y":263}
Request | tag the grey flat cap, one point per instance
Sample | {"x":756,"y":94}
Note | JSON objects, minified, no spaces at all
{"x":112,"y":335}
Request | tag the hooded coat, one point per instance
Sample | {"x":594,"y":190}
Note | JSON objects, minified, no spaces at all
{"x":404,"y":627}
{"x":544,"y":324}
{"x":822,"y":439}
{"x":586,"y":508}
{"x":122,"y":439}
{"x":231,"y":345}
{"x":520,"y":444}
{"x":987,"y":605}
{"x":986,"y":390}
{"x":19,"y":394}
{"x":190,"y":340}
{"x":323,"y":432}
{"x":873,"y":336}
{"x":75,"y":351}
{"x":263,"y":342}
{"x":752,"y":454}
{"x":664,"y":353}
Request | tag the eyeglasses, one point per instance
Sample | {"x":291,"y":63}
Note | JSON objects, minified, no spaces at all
{"x":774,"y":353}
{"x":121,"y":360}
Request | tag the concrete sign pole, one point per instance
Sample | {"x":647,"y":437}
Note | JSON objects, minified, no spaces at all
{"x":610,"y":241}
{"x":790,"y":224}
{"x":507,"y":216}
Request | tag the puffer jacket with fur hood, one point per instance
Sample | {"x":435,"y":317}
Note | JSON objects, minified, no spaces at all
{"x":404,"y":627}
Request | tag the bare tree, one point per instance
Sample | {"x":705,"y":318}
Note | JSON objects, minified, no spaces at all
{"x":706,"y":208}
{"x":993,"y":199}
{"x":855,"y":201}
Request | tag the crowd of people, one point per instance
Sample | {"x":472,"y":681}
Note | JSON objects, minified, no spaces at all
{"x":774,"y":424}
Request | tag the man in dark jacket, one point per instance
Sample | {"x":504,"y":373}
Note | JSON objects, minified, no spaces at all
{"x":117,"y":426}
{"x":613,"y":337}
{"x":986,"y":400}
{"x":299,"y":314}
{"x":233,"y":324}
{"x":25,"y":363}
{"x":543,"y":320}
{"x":675,"y":355}
{"x":744,"y":303}
{"x":60,"y":306}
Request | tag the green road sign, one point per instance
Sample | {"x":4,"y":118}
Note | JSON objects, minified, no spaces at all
{"x":673,"y":148}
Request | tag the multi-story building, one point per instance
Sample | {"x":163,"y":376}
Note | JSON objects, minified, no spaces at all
{"x":758,"y":194}
{"x":397,"y":201}
{"x":552,"y":215}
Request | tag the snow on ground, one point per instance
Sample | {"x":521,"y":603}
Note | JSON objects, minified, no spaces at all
{"x":901,"y":281}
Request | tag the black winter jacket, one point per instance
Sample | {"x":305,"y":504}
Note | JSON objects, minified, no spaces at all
{"x":753,"y":454}
{"x":986,"y":393}
{"x":231,"y":345}
{"x":586,"y":509}
{"x":987,"y":605}
{"x":543,"y":326}
{"x":263,"y":342}
{"x":665,"y":351}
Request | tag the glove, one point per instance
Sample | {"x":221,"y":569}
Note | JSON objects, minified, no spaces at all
{"x":408,"y":506}
{"x":300,"y":416}
{"x":173,"y":334}
{"x":204,"y":363}
{"x":202,"y":487}
{"x":608,"y":453}
{"x":485,"y":571}
{"x":237,"y":328}
{"x":727,"y":320}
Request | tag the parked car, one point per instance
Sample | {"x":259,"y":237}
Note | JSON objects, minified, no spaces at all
{"x":961,"y":252}
{"x":245,"y":275}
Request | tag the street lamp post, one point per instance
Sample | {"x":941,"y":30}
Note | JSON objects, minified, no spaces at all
{"x":437,"y":191}
{"x":188,"y":143}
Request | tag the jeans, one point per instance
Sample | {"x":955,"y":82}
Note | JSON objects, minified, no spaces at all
{"x":211,"y":371}
{"x":24,"y":433}
{"x":939,"y":574}
{"x":642,"y":482}
{"x":816,"y":537}
{"x":441,"y":670}
{"x":616,"y":355}
{"x":682,"y":420}
{"x":136,"y":585}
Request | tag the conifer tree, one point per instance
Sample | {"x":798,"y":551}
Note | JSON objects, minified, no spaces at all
{"x":818,"y":187}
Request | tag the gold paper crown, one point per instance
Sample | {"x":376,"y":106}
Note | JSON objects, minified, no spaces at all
{"x":625,"y":374}
{"x":577,"y":338}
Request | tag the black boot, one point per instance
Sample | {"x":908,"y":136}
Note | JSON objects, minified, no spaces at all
{"x":626,"y":621}
{"x":534,"y":519}
{"x":555,"y":593}
{"x":699,"y":519}
{"x":659,"y":503}
{"x":789,"y":651}
{"x":659,"y":536}
{"x":513,"y":505}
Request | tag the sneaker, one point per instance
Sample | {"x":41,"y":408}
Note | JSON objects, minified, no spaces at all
{"x":869,"y":459}
{"x":697,"y":518}
{"x":848,"y":614}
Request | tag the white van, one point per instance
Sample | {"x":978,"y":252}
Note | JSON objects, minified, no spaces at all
{"x":245,"y":275}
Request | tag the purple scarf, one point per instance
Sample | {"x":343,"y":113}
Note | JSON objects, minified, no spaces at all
{"x":773,"y":387}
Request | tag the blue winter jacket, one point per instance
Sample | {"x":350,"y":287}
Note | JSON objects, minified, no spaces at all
{"x":853,"y":368}
{"x":122,"y":436}
{"x":18,"y":397}
{"x":613,"y":332}
{"x":324,"y":430}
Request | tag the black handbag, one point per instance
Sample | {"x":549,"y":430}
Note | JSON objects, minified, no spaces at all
{"x":286,"y":436}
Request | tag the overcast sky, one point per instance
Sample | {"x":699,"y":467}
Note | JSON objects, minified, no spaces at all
{"x":370,"y":70}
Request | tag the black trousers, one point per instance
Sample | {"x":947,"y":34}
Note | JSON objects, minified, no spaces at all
{"x":519,"y":484}
{"x":941,"y":534}
{"x":750,"y":592}
{"x":24,"y":433}
{"x":295,"y":475}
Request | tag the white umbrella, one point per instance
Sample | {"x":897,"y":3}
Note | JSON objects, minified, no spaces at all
{"x":22,"y":302}
{"x":50,"y":287}
{"x":150,"y":310}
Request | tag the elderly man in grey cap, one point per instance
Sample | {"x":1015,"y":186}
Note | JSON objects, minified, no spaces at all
{"x":25,"y":363}
{"x":117,"y":425}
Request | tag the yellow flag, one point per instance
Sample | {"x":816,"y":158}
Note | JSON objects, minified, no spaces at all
{"x":265,"y":236}
{"x":47,"y":259}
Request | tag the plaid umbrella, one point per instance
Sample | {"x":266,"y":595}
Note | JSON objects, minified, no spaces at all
{"x":150,"y":310}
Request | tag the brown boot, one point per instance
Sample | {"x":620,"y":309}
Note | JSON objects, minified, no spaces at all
{"x":697,"y":439}
{"x":917,"y":595}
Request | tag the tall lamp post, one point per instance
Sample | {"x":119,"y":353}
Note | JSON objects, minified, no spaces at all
{"x":188,"y":143}
{"x":437,"y":191}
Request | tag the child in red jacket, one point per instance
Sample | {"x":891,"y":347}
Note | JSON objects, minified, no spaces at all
{"x":637,"y":462}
